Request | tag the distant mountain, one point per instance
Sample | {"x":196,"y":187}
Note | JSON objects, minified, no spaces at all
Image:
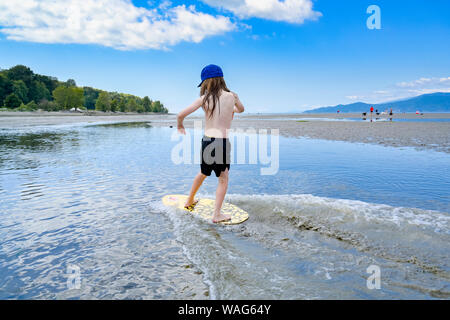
{"x":433,"y":102}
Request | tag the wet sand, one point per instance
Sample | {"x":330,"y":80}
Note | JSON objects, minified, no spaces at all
{"x":421,"y":135}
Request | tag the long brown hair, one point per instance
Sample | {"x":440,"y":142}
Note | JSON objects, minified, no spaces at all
{"x":211,"y":89}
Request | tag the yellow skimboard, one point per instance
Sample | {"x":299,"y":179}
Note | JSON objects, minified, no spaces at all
{"x":205,"y":207}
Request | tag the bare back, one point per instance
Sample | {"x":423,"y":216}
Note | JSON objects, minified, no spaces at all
{"x":219,"y":123}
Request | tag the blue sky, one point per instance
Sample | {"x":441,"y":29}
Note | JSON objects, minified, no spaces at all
{"x":277,"y":59}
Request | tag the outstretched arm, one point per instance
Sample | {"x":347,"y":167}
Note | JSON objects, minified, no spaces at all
{"x":184,"y":113}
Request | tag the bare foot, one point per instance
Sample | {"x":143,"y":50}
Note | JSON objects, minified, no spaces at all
{"x":221,"y":218}
{"x":190,"y":204}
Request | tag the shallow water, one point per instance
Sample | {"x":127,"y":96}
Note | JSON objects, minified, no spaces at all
{"x":90,"y":197}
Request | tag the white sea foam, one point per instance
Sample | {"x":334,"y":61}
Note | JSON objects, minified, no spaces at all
{"x":327,"y":237}
{"x":348,"y":210}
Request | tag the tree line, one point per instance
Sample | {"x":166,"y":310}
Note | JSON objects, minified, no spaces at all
{"x":22,"y":89}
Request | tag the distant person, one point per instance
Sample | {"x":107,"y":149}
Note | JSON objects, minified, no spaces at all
{"x":219,"y":105}
{"x":371,"y":113}
{"x":390,"y":115}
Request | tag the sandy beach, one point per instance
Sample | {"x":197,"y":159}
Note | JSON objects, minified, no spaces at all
{"x":422,"y":135}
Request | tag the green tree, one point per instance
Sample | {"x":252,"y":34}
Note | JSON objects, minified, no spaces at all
{"x":103,"y":102}
{"x":21,"y":72}
{"x":71,"y":83}
{"x":147,"y":103}
{"x":156,"y":106}
{"x":51,"y":83}
{"x":21,"y":90}
{"x":12,"y":101}
{"x":122,"y":105}
{"x":5,"y":87}
{"x":39,"y":91}
{"x":61,"y":96}
{"x":115,"y":105}
{"x":132,"y":105}
{"x":28,"y":86}
{"x":140,"y":108}
{"x":90,"y":97}
{"x":76,"y":97}
{"x":68,"y":97}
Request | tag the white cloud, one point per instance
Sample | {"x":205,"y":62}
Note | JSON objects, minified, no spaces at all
{"x":425,"y":85}
{"x":424,"y":82}
{"x":405,"y":89}
{"x":292,"y":11}
{"x":112,"y":23}
{"x":429,"y":90}
{"x":381,"y":92}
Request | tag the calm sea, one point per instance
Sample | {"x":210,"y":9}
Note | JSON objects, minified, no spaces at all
{"x":81,"y":218}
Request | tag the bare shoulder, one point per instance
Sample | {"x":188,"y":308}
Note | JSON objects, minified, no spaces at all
{"x":234,"y":95}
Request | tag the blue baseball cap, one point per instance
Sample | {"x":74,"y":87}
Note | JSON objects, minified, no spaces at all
{"x":211,"y":71}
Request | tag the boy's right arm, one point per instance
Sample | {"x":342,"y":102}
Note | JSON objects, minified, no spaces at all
{"x":238,"y":106}
{"x":184,"y":113}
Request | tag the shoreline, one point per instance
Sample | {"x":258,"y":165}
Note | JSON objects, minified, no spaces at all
{"x":426,"y":135}
{"x":350,"y":115}
{"x":90,"y":113}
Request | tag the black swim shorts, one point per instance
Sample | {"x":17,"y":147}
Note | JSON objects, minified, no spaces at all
{"x":215,"y":155}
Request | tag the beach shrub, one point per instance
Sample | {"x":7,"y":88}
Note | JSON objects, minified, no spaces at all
{"x":48,"y":105}
{"x":32,"y":105}
{"x":24,"y":107}
{"x":12,"y":101}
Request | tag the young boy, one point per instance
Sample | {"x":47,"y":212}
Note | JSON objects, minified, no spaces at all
{"x":219,"y":104}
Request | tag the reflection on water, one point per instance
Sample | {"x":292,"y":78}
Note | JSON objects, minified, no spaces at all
{"x":33,"y":141}
{"x":137,"y":124}
{"x":91,"y":197}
